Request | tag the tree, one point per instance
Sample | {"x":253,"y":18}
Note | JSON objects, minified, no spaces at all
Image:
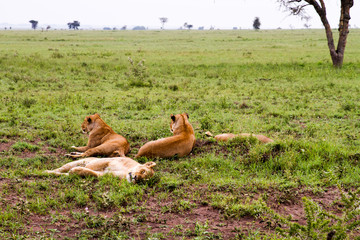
{"x":74,"y":25}
{"x":188,"y":26}
{"x":256,"y":23}
{"x":297,"y":7}
{"x":33,"y":24}
{"x":163,"y":20}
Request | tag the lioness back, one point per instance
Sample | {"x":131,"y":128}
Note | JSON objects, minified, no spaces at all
{"x":180,"y":144}
{"x":227,"y":136}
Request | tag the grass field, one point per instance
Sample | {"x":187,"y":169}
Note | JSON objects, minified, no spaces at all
{"x":278,"y":83}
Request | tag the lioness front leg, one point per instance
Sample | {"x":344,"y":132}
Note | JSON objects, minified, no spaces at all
{"x":83,"y":171}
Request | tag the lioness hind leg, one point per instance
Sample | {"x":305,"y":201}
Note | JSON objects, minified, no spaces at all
{"x":118,"y":153}
{"x":101,"y":150}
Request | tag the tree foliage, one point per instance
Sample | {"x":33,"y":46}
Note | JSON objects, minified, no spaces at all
{"x":188,"y":26}
{"x":256,"y":23}
{"x":163,"y":20}
{"x":34,"y":24}
{"x":74,"y":25}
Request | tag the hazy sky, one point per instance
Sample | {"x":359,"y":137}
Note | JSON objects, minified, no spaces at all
{"x":116,"y":13}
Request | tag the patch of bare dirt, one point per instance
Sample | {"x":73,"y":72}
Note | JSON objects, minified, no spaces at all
{"x":5,"y":146}
{"x":205,"y":146}
{"x":44,"y":150}
{"x":186,"y":223}
{"x":157,"y":215}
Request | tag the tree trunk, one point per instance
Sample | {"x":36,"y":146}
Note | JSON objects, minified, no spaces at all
{"x":337,"y":55}
{"x":343,"y":31}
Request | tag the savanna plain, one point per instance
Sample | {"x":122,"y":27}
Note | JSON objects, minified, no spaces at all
{"x":279,"y":83}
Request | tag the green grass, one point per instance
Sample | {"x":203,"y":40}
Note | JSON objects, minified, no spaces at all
{"x":277,"y":83}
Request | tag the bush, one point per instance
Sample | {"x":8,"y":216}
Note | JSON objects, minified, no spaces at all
{"x":322,"y":224}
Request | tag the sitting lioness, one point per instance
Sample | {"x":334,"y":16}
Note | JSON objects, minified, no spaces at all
{"x":180,"y":144}
{"x":227,"y":136}
{"x":103,"y":141}
{"x":122,"y":167}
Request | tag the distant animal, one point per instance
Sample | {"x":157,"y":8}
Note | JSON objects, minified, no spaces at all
{"x":122,"y":167}
{"x":103,"y":141}
{"x":227,"y":136}
{"x":180,"y":144}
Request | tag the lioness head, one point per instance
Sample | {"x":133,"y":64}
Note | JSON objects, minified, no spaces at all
{"x":178,"y":122}
{"x":89,"y":123}
{"x":141,"y":172}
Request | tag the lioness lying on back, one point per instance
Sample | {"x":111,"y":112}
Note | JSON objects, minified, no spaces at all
{"x":180,"y":144}
{"x":103,"y":141}
{"x":227,"y":136}
{"x":122,"y":167}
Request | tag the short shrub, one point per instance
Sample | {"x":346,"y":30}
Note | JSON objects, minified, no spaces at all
{"x":21,"y":146}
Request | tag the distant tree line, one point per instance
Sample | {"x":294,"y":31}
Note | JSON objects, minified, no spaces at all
{"x":72,"y":25}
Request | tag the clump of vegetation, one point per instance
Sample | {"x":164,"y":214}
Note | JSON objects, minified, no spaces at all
{"x":22,"y":146}
{"x":137,"y":75}
{"x":206,"y":123}
{"x":28,"y":102}
{"x":174,"y":87}
{"x":57,"y":54}
{"x":322,"y":224}
{"x":235,"y":207}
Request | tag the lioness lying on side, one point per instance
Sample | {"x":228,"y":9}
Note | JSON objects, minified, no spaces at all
{"x":227,"y":136}
{"x":122,"y":167}
{"x":180,"y":144}
{"x":103,"y":141}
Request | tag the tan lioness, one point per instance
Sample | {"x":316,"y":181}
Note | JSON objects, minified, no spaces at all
{"x":180,"y":144}
{"x":122,"y":167}
{"x":227,"y":136}
{"x":103,"y":141}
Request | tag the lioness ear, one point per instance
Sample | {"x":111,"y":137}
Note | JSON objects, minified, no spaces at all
{"x":97,"y":115}
{"x":150,"y":164}
{"x":187,"y":115}
{"x":172,"y":117}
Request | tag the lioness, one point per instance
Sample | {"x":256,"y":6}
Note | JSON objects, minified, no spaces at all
{"x":122,"y":167}
{"x":103,"y":141}
{"x":180,"y":144}
{"x":227,"y":136}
